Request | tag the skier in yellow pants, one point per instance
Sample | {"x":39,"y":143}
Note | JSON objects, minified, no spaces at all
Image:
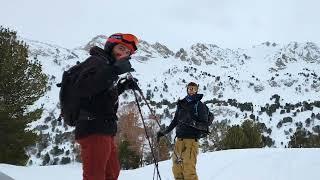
{"x":185,"y":160}
{"x":190,"y":113}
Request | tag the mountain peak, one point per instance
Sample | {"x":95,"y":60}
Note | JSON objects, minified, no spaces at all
{"x":99,"y":41}
{"x":295,"y":51}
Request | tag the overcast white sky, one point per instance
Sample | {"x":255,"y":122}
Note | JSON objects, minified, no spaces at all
{"x":176,"y":23}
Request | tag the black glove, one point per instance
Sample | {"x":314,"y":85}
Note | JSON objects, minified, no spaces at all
{"x":159,"y":135}
{"x":131,"y":84}
{"x":126,"y":84}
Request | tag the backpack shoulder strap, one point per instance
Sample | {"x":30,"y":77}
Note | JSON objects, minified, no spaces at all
{"x":196,"y":108}
{"x":179,"y":103}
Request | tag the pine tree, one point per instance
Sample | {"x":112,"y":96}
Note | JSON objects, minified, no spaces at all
{"x":130,"y":137}
{"x":161,"y":148}
{"x":303,"y":138}
{"x":235,"y":138}
{"x":213,"y":142}
{"x":21,"y":84}
{"x":247,"y":135}
{"x":252,"y":133}
{"x":129,"y":159}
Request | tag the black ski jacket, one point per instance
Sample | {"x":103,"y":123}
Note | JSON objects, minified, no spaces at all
{"x":98,"y":89}
{"x":185,"y":114}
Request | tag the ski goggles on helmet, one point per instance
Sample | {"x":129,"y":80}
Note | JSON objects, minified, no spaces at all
{"x":128,"y":40}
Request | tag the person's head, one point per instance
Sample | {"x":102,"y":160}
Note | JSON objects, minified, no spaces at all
{"x":121,"y":46}
{"x":192,"y":88}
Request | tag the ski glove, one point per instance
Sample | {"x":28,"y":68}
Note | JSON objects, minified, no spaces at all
{"x":126,"y":84}
{"x":159,"y":135}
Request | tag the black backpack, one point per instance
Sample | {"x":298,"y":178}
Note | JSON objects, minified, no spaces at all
{"x":69,"y":100}
{"x":203,"y":127}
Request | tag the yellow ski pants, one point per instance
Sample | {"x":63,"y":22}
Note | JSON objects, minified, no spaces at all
{"x":185,"y":159}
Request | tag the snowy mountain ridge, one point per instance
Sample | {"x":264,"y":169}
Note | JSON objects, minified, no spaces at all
{"x":225,"y":76}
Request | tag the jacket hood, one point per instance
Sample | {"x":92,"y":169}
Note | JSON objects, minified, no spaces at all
{"x":96,"y":51}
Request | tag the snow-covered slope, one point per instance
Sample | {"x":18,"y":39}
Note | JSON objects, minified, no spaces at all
{"x":249,"y":164}
{"x":269,"y":75}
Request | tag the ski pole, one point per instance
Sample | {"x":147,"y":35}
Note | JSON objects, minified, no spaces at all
{"x":130,"y":76}
{"x":148,"y":138}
